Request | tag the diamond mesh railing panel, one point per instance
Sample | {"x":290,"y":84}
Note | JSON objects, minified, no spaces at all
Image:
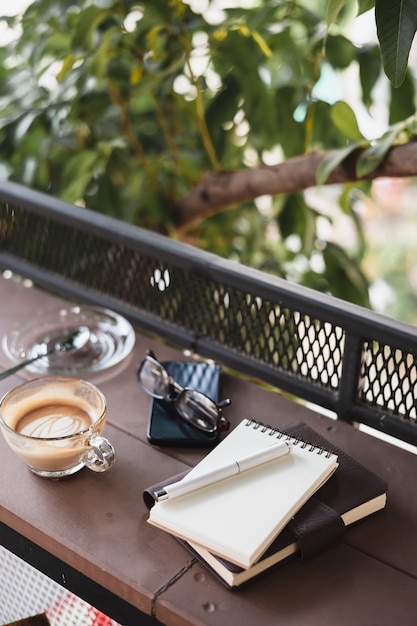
{"x":342,"y":357}
{"x":389,"y":379}
{"x":275,"y":335}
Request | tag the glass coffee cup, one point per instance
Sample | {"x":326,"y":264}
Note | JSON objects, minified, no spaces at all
{"x":55,"y":424}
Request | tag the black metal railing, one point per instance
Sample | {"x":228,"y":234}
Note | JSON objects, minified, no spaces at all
{"x":350,"y":360}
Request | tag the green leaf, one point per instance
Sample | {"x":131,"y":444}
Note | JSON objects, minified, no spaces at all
{"x":365,"y":5}
{"x":372,"y":158}
{"x":402,"y":103}
{"x":340,"y":52}
{"x":334,"y":159}
{"x":339,"y":11}
{"x":370,"y":67}
{"x":245,"y":57}
{"x":346,"y":278}
{"x":77,"y":174}
{"x":66,"y":67}
{"x":23,"y":125}
{"x":333,"y":9}
{"x":410,"y":127}
{"x":396,"y":22}
{"x":291,"y":134}
{"x":344,"y":119}
{"x":348,"y":199}
{"x":222,"y":110}
{"x":87,"y":23}
{"x":296,"y":218}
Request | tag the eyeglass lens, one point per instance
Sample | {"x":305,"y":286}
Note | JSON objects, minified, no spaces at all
{"x":198,"y":409}
{"x":154,"y":378}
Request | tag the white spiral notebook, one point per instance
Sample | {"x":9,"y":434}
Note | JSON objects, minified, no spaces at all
{"x":237,"y":518}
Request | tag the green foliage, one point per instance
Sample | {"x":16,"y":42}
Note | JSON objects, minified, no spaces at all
{"x":397,"y":24}
{"x":369,"y":60}
{"x":121,"y":106}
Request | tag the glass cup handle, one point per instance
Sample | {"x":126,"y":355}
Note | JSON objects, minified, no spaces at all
{"x":100,"y":454}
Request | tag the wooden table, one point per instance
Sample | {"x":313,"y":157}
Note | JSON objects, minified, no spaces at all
{"x":89,"y":532}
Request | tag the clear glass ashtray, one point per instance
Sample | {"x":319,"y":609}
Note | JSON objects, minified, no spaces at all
{"x":110,"y":339}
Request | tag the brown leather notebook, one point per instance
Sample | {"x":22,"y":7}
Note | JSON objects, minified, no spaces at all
{"x":351,"y":494}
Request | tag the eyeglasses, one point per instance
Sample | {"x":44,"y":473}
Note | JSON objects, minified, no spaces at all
{"x":193,"y":406}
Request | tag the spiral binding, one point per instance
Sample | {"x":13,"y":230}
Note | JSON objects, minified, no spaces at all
{"x":274,"y":432}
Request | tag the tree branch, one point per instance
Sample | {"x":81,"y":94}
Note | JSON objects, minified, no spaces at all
{"x":220,"y":190}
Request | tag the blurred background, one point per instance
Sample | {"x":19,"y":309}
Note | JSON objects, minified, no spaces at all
{"x":122,"y":106}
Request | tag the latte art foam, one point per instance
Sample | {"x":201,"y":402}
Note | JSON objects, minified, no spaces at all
{"x":55,"y":420}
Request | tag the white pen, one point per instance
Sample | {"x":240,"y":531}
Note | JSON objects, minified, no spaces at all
{"x":236,"y":466}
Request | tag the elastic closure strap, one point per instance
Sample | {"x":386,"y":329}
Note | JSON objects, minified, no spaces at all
{"x":316,"y":528}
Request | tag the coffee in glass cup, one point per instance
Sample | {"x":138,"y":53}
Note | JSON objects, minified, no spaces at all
{"x":54,"y":424}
